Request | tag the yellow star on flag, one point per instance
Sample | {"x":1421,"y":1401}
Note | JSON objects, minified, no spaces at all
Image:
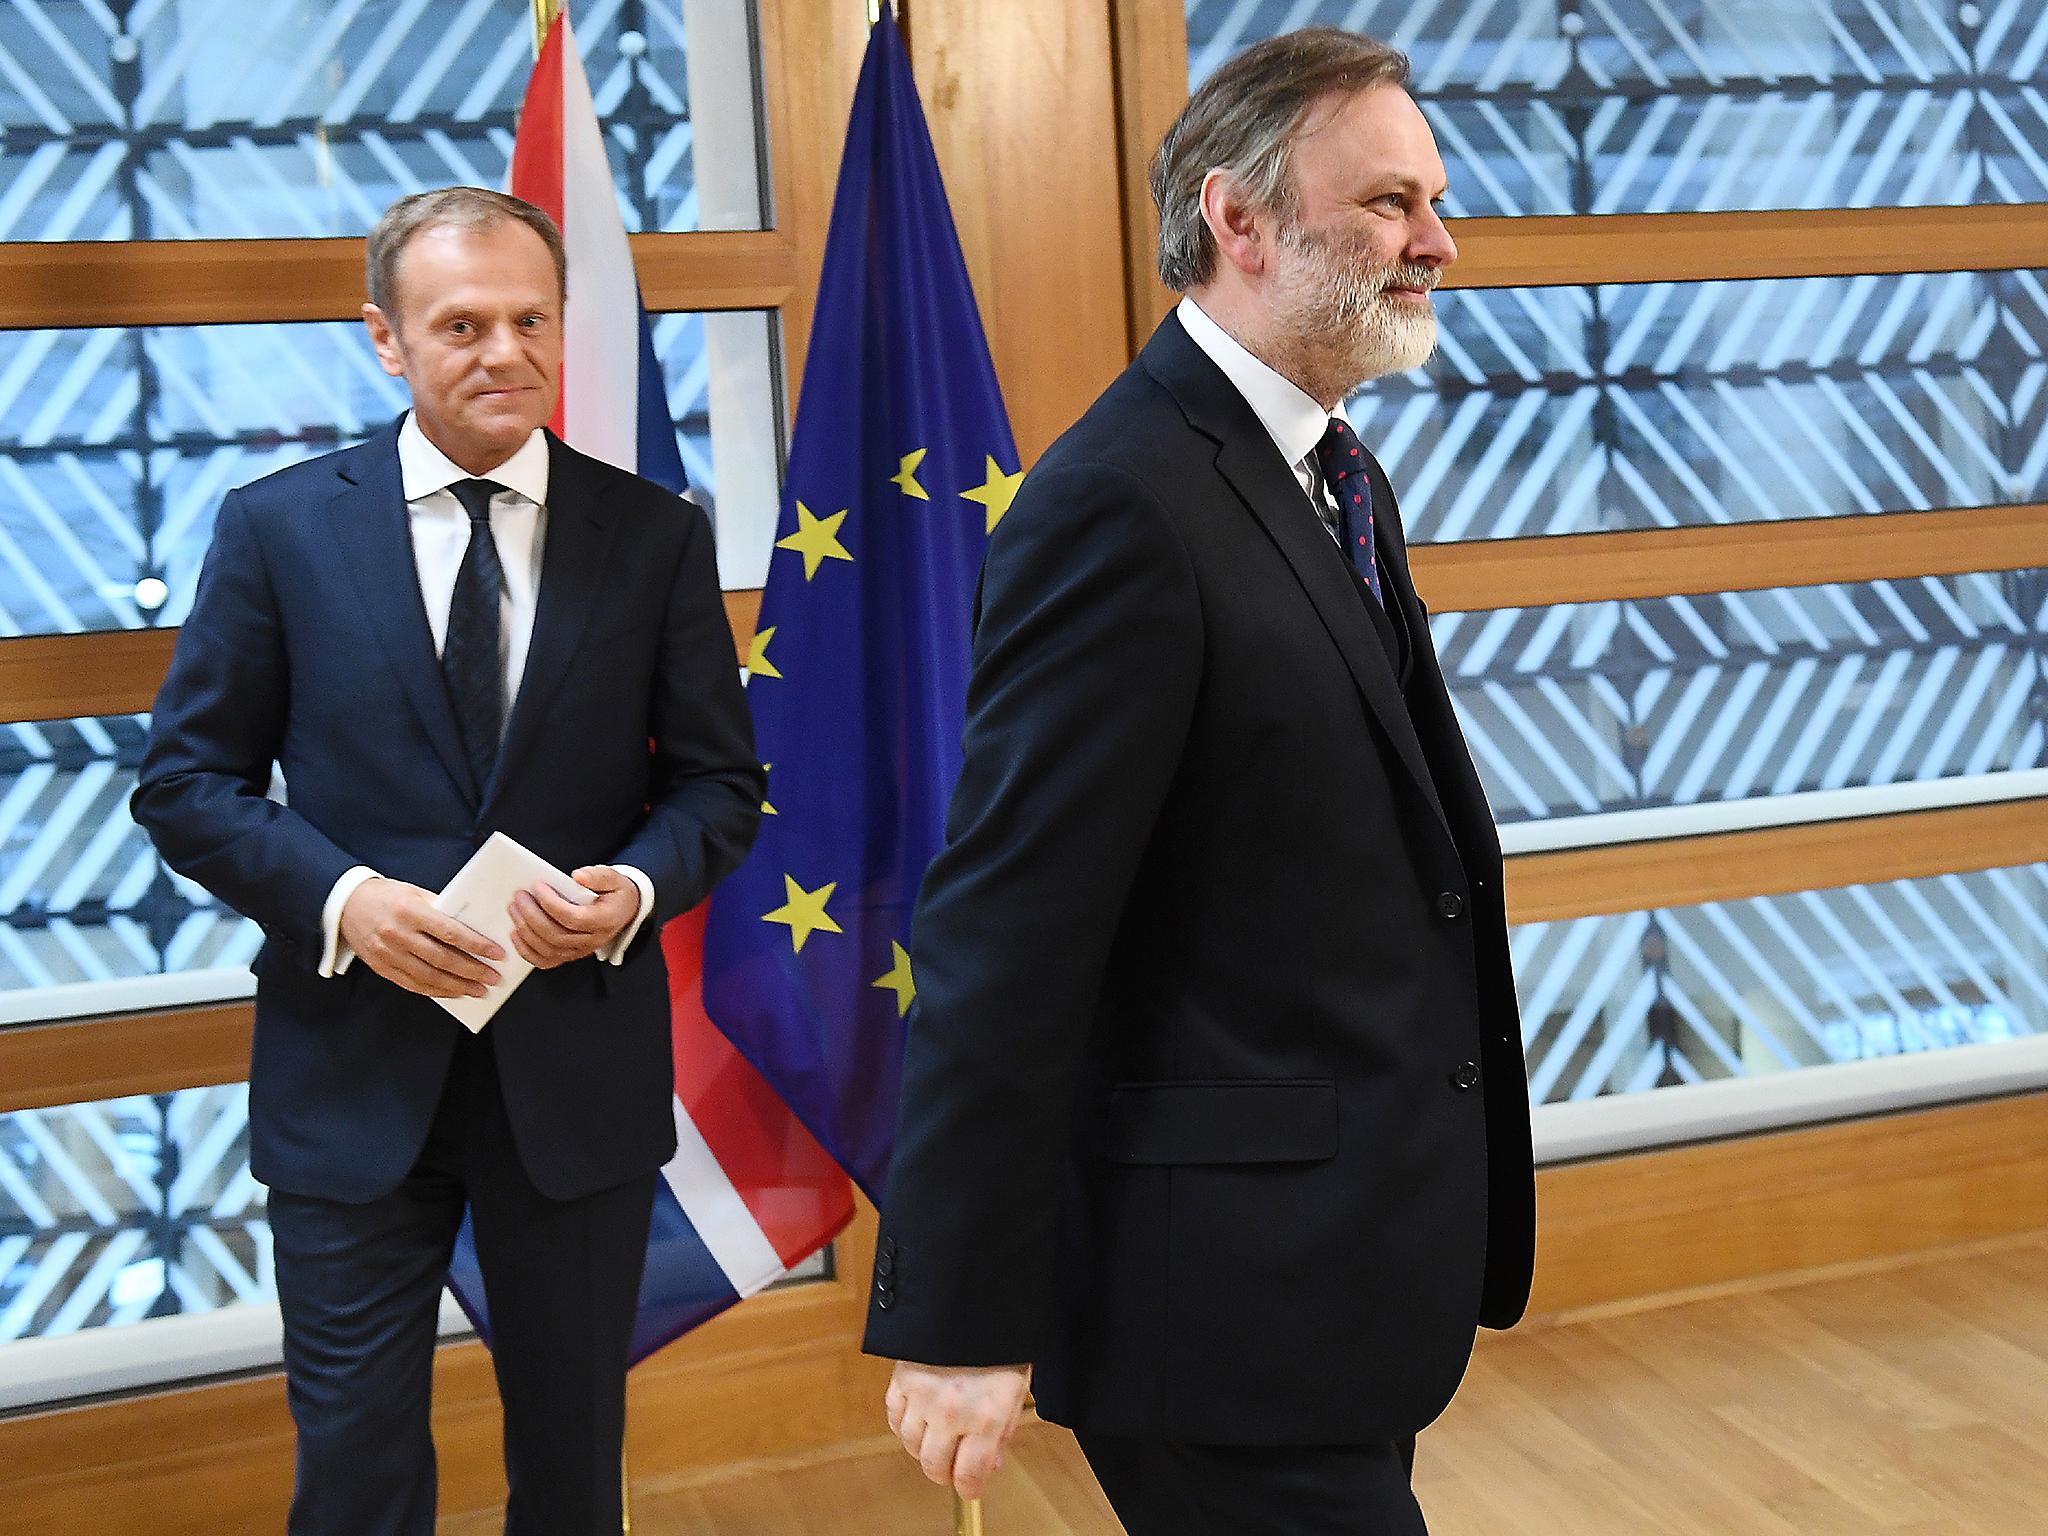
{"x":905,"y":478}
{"x":804,"y":913}
{"x":996,"y":492}
{"x":816,"y":539}
{"x":758,"y":664}
{"x":766,"y":808}
{"x":898,"y":981}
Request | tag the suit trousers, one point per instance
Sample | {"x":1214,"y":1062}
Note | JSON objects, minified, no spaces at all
{"x":1171,"y":1488}
{"x":360,"y":1287}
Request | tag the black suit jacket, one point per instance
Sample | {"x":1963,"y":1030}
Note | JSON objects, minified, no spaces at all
{"x":1214,"y":1103}
{"x":629,"y":742}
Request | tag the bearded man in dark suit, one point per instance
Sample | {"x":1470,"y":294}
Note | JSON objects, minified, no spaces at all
{"x":1214,"y":1111}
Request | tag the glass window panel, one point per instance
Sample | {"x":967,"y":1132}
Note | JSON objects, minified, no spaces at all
{"x":1643,"y":1000}
{"x":116,"y":447}
{"x":1568,"y":410}
{"x":129,"y":1209}
{"x":1679,"y":701}
{"x":83,"y":897}
{"x":1641,"y":106}
{"x":324,"y":111}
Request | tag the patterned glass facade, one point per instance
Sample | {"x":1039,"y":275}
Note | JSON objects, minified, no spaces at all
{"x":1658,"y":106}
{"x":250,"y":119}
{"x":1583,"y":409}
{"x":245,"y":119}
{"x":1572,"y":410}
{"x":116,"y":446}
{"x":1627,"y":706}
{"x":1650,"y":999}
{"x":128,"y":1209}
{"x":1548,"y":411}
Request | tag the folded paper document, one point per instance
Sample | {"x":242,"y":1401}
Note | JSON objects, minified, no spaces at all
{"x":481,"y":895}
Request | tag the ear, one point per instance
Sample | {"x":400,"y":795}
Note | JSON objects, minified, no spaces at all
{"x":384,"y":337}
{"x":1240,"y":230}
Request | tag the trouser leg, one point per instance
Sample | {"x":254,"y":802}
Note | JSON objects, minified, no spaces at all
{"x":359,"y":1287}
{"x":561,"y":1281}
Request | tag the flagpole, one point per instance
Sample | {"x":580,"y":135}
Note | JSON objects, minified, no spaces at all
{"x":544,"y":14}
{"x":967,"y":1517}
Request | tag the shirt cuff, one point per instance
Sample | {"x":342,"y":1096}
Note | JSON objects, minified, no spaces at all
{"x":335,"y":956}
{"x":614,"y":953}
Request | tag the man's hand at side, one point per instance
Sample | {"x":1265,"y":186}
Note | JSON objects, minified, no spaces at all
{"x":393,"y":928}
{"x":549,"y":930}
{"x":956,"y":1420}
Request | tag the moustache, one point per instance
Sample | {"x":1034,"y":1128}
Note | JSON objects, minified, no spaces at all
{"x":1405,"y":276}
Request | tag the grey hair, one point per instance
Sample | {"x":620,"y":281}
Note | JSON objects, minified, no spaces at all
{"x":462,"y":208}
{"x":1244,"y":120}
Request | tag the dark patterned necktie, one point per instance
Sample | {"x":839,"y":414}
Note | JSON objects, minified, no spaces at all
{"x":471,"y":658}
{"x":1343,"y":462}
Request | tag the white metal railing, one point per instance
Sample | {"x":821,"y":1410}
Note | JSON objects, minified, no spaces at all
{"x":1601,"y":829}
{"x":1692,"y":1112}
{"x":93,"y":1362}
{"x":131,"y":994}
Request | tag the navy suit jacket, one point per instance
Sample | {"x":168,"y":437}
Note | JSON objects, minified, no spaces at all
{"x":629,"y":742}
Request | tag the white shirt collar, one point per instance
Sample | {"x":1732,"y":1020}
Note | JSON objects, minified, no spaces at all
{"x":1294,"y":421}
{"x":424,"y":469}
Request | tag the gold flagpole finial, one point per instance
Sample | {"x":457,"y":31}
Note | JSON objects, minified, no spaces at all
{"x":544,"y":14}
{"x":967,"y":1517}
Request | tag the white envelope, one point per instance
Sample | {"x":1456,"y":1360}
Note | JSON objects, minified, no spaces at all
{"x":481,"y":896}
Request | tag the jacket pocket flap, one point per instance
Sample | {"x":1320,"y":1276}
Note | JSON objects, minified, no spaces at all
{"x":1246,"y":1121}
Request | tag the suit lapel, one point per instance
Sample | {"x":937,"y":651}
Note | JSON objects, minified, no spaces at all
{"x":1253,"y":469}
{"x":1452,"y":756}
{"x":1270,"y":491}
{"x":571,"y":588}
{"x":368,"y":515}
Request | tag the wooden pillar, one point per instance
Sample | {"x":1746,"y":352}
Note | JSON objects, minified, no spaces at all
{"x":1022,"y":104}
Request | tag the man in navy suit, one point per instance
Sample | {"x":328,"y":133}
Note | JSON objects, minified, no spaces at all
{"x":459,"y":627}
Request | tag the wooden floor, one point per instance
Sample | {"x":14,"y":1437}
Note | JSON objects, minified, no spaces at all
{"x":1912,"y":1401}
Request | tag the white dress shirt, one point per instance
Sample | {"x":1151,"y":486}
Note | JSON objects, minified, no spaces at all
{"x":1294,"y":421}
{"x":440,"y":538}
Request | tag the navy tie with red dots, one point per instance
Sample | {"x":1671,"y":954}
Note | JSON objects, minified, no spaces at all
{"x":1343,"y":461}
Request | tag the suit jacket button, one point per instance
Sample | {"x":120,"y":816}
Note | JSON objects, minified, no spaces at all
{"x":884,"y":1301}
{"x":1466,"y":1077}
{"x":1450,"y":906}
{"x":885,"y":1265}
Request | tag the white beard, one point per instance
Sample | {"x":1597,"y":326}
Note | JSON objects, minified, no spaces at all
{"x":1340,"y":312}
{"x":1394,"y":336}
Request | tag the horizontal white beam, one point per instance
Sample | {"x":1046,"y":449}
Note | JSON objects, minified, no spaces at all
{"x":158,"y":1352}
{"x":132,"y":994}
{"x":1692,"y":1112}
{"x":1606,"y":828}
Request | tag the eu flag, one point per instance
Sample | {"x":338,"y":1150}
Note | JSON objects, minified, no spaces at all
{"x":900,"y":465}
